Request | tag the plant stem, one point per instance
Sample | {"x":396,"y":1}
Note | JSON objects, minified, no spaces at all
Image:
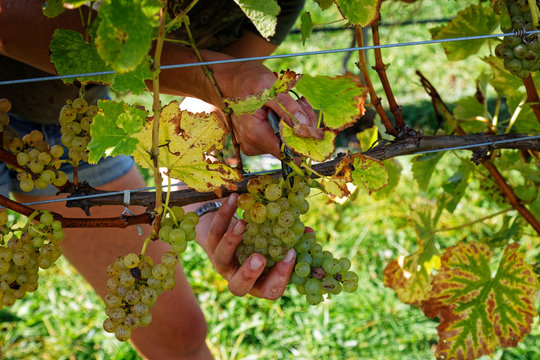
{"x":381,"y":71}
{"x":375,"y":100}
{"x":226,"y":110}
{"x":156,"y":107}
{"x":180,"y":17}
{"x":496,"y":114}
{"x":475,"y":221}
{"x":532,"y":96}
{"x":511,"y":196}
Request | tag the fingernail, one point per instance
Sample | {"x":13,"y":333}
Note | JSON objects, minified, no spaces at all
{"x":239,"y":228}
{"x":232,"y":199}
{"x":289,"y":256}
{"x":255,"y":263}
{"x":301,"y":117}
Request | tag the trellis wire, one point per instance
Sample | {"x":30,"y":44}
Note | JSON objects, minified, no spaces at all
{"x":112,"y":193}
{"x":276,"y":56}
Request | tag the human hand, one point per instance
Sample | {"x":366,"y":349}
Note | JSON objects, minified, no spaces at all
{"x":224,"y":236}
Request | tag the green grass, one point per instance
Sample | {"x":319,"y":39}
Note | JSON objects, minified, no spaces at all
{"x":62,"y":319}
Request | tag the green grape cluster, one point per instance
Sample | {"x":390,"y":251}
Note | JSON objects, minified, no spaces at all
{"x":5,"y":106}
{"x":521,"y":53}
{"x":178,"y":227}
{"x":318,"y":272}
{"x":272,"y":212}
{"x":21,"y":257}
{"x":134,"y":284}
{"x":75,"y":119}
{"x":38,"y":163}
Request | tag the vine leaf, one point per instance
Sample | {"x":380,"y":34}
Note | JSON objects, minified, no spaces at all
{"x":124,"y":33}
{"x":469,"y":108}
{"x":249,"y":104}
{"x":369,"y":173}
{"x":471,"y":21}
{"x":393,"y":167}
{"x":113,"y":128}
{"x":316,"y":149}
{"x":479,"y":311}
{"x":336,"y":185}
{"x":324,"y":4}
{"x":70,"y":54}
{"x":423,"y":167}
{"x":340,"y":99}
{"x":133,"y":81}
{"x":360,"y":12}
{"x":185,"y":140}
{"x":306,"y":26}
{"x":263,"y":14}
{"x":456,"y":185}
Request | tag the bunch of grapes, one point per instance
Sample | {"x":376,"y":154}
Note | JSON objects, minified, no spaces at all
{"x":272,"y":212}
{"x":38,"y":163}
{"x":178,"y":227}
{"x":75,"y":119}
{"x":21,"y":257}
{"x":521,"y":54}
{"x":134,"y":284}
{"x":318,"y":272}
{"x":5,"y":106}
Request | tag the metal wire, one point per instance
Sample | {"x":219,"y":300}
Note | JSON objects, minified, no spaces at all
{"x":276,"y":56}
{"x":112,"y":193}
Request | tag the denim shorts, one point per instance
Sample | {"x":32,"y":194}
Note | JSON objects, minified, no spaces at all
{"x":105,"y":171}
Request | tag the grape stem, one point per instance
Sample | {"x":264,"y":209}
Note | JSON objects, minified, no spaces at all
{"x":532,"y":96}
{"x":535,"y":13}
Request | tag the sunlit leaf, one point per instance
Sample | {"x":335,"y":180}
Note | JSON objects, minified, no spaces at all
{"x":340,"y":99}
{"x":70,"y":54}
{"x":423,"y":167}
{"x":360,"y":12}
{"x":475,"y":20}
{"x":369,"y":174}
{"x":318,"y":150}
{"x":113,"y":128}
{"x":306,"y":26}
{"x":480,"y":310}
{"x":263,"y":14}
{"x":337,"y":184}
{"x":124,"y":34}
{"x":185,"y":140}
{"x":393,"y":168}
{"x":468,"y":110}
{"x":456,"y":185}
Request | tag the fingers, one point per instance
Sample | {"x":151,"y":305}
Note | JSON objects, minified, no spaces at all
{"x":244,"y":279}
{"x":273,"y":285}
{"x":300,"y":109}
{"x":221,"y":222}
{"x":224,"y":255}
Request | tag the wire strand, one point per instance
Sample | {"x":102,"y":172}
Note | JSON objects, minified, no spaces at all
{"x":268,"y":57}
{"x":112,"y":193}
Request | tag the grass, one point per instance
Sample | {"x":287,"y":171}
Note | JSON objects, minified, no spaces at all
{"x":62,"y":319}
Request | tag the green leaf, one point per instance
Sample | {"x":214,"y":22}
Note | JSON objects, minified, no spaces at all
{"x":360,"y":12}
{"x":318,"y":150}
{"x":185,"y":140}
{"x":52,"y":8}
{"x":511,"y":229}
{"x":471,"y":21}
{"x":423,"y":167}
{"x":249,"y":104}
{"x":480,"y":311}
{"x":467,"y":109}
{"x":340,"y":99}
{"x":456,"y":185}
{"x":113,"y":128}
{"x":124,"y":35}
{"x":263,"y":14}
{"x":70,"y":54}
{"x":306,"y":26}
{"x":393,"y":167}
{"x":133,"y":81}
{"x":73,"y":4}
{"x":502,"y":80}
{"x":369,"y":173}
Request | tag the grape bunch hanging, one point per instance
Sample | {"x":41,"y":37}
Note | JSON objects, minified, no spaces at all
{"x":520,"y":52}
{"x":272,"y":209}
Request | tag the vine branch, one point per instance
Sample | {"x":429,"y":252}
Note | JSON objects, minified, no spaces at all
{"x":532,"y":96}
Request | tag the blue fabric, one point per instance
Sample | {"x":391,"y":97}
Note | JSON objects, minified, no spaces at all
{"x":105,"y":171}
